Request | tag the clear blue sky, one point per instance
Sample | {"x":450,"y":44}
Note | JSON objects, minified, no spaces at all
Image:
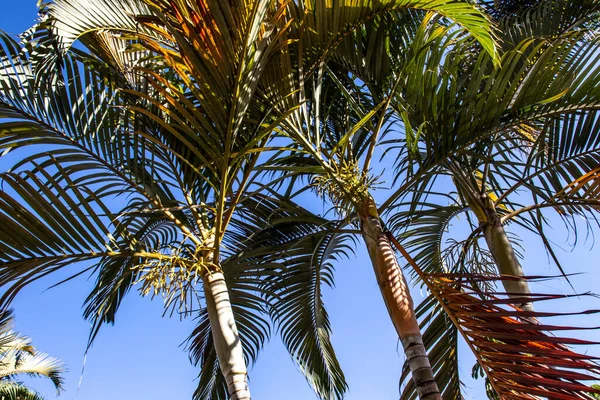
{"x":141,"y":358}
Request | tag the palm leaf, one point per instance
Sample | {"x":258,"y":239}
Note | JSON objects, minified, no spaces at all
{"x":116,"y":276}
{"x":521,"y":357}
{"x":299,"y":312}
{"x":53,"y":233}
{"x":45,"y":227}
{"x":16,"y":391}
{"x":9,"y":339}
{"x":92,"y":140}
{"x":328,"y":23}
{"x":422,"y":232}
{"x":14,"y":363}
{"x":297,"y":251}
{"x":519,"y":19}
{"x":62,"y":23}
{"x":18,"y":356}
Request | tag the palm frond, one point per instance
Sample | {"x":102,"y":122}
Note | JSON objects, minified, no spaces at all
{"x":422,"y":232}
{"x":373,"y":52}
{"x":48,"y":235}
{"x":298,"y":310}
{"x":75,"y":122}
{"x":296,"y":250}
{"x":46,"y":227}
{"x":326,"y":24}
{"x":63,"y":22}
{"x":530,"y":124}
{"x":521,"y":357}
{"x":9,"y":339}
{"x":18,"y":356}
{"x":15,"y":362}
{"x":16,"y":391}
{"x":116,"y":276}
{"x":520,"y":19}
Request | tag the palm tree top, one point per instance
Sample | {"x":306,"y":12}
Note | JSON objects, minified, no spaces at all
{"x":18,"y":357}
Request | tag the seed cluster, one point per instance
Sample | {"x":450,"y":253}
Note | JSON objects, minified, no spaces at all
{"x":346,"y":187}
{"x":169,"y":275}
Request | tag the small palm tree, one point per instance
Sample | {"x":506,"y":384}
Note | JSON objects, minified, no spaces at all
{"x":18,"y":357}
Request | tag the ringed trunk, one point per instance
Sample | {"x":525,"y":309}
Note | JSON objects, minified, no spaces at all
{"x":508,"y":264}
{"x":225,"y":336}
{"x":504,"y":255}
{"x":398,"y":300}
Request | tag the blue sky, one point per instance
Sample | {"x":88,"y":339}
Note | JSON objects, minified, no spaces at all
{"x":141,"y":356}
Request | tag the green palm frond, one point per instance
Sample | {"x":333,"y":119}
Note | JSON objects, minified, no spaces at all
{"x":522,"y":90}
{"x":93,"y":141}
{"x":296,"y":250}
{"x":69,"y":20}
{"x":563,"y":160}
{"x":16,"y":391}
{"x":373,"y":52}
{"x":521,"y":19}
{"x":19,"y":357}
{"x":90,"y":153}
{"x":9,"y":339}
{"x":62,"y":23}
{"x":59,"y":227}
{"x":511,"y":124}
{"x":53,"y":233}
{"x":422,"y":232}
{"x":15,"y":362}
{"x":326,"y":24}
{"x":117,"y":276}
{"x":298,"y":309}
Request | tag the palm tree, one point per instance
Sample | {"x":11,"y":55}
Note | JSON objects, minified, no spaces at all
{"x":334,"y":133}
{"x":18,"y":357}
{"x":498,"y":133}
{"x":169,"y":234}
{"x":331,"y":148}
{"x":164,"y":109}
{"x":547,"y":78}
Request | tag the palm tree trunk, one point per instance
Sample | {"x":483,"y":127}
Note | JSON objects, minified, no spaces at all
{"x":500,"y":247}
{"x":505,"y":258}
{"x":398,"y":300}
{"x":225,"y":336}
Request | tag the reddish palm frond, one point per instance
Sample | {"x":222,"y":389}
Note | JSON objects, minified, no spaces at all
{"x":523,"y":357}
